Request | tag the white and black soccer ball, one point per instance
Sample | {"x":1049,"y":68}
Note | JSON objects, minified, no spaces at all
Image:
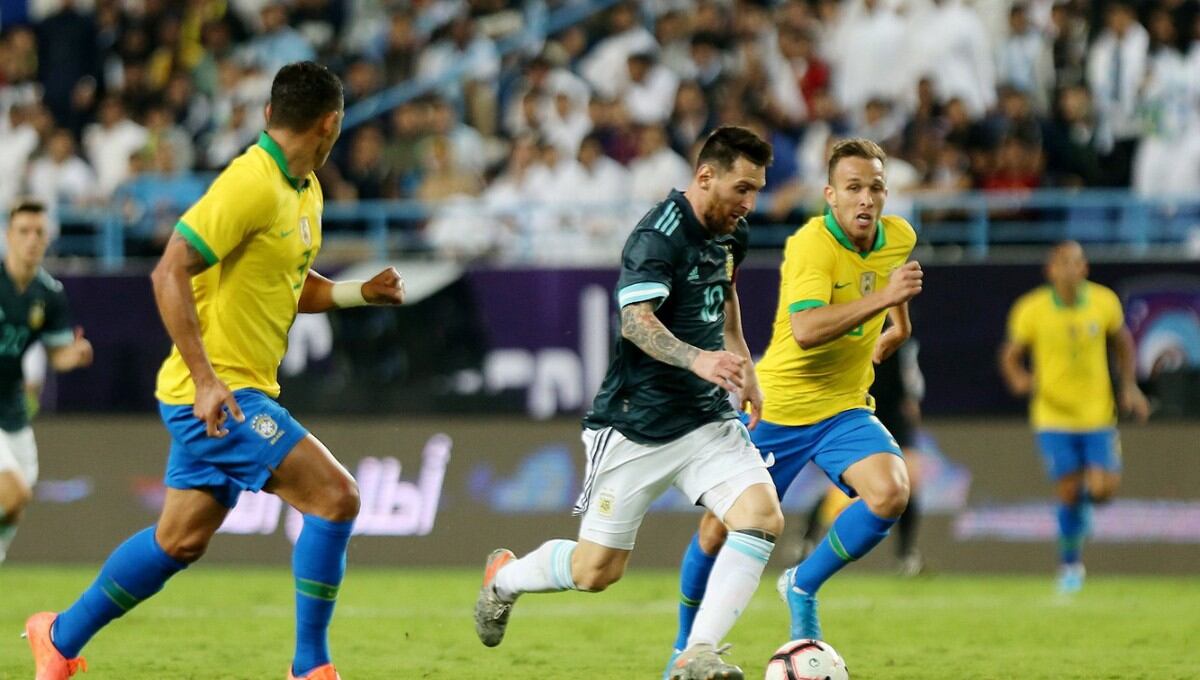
{"x":807,"y":660}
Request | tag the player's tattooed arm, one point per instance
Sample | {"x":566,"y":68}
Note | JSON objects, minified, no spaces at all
{"x":193,"y":261}
{"x":640,"y":326}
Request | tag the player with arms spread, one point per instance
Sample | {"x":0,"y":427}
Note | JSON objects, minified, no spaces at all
{"x":1066,"y":328}
{"x":233,"y":276}
{"x":33,"y":307}
{"x":662,"y":415}
{"x":842,"y":273}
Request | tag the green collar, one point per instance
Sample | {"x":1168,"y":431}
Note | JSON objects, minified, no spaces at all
{"x":836,"y":229}
{"x":273,"y":150}
{"x":1080,"y":297}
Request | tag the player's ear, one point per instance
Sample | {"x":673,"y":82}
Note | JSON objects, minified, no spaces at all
{"x":830,"y":196}
{"x":704,"y":176}
{"x":267,"y":114}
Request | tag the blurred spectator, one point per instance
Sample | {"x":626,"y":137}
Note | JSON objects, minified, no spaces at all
{"x":366,"y":175}
{"x":468,"y":151}
{"x":109,"y":143}
{"x":810,"y":72}
{"x":606,"y":66}
{"x":1017,"y":166}
{"x":161,"y":129}
{"x":1167,"y":160}
{"x":217,"y":41}
{"x":657,"y":169}
{"x":278,"y":43}
{"x":949,"y":43}
{"x":21,"y":139}
{"x":1072,"y":158}
{"x":672,"y":33}
{"x":566,"y":124}
{"x":60,"y":177}
{"x":1025,"y":60}
{"x":444,"y":176}
{"x":594,"y":177}
{"x":399,"y":48}
{"x":402,"y":152}
{"x":68,"y":50}
{"x":690,"y":117}
{"x":463,"y":48}
{"x":154,"y":197}
{"x":611,"y":123}
{"x":362,"y":80}
{"x":231,"y":137}
{"x":1116,"y":67}
{"x":649,"y":89}
{"x":866,"y":53}
{"x":710,"y":67}
{"x":319,"y":21}
{"x":1069,"y":32}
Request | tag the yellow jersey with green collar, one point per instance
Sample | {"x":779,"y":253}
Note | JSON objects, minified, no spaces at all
{"x":1069,"y":353}
{"x":821,"y":267}
{"x":259,"y":230}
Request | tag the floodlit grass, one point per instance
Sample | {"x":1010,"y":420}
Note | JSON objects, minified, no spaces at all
{"x":220,"y":622}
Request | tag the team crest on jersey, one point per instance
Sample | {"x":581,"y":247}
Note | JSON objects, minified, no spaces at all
{"x":729,"y":262}
{"x":606,"y":503}
{"x":265,"y":426}
{"x":37,"y":315}
{"x":866,"y":283}
{"x":305,"y":231}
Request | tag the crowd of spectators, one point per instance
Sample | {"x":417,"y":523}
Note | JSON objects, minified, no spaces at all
{"x":557,"y":146}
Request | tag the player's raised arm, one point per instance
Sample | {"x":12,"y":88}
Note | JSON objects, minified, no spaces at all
{"x":321,"y":294}
{"x":1130,"y":397}
{"x":640,"y":326}
{"x":896,"y":335}
{"x":820,"y":324}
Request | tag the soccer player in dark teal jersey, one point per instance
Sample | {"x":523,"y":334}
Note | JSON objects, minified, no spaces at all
{"x":33,"y":307}
{"x":662,"y":417}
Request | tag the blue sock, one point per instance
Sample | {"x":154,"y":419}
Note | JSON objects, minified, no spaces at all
{"x":693,"y":579}
{"x":318,"y":563}
{"x":1071,"y":525}
{"x":852,"y":536}
{"x":137,"y":569}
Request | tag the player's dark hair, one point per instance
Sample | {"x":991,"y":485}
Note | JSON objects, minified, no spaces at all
{"x":855,"y":148}
{"x":301,"y":94}
{"x":31,"y":206}
{"x":728,"y":143}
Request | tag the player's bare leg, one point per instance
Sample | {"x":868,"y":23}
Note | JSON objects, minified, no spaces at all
{"x":15,"y":494}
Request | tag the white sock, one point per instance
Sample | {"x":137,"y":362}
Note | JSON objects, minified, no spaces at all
{"x":7,"y":533}
{"x":545,"y":570}
{"x":734,"y":579}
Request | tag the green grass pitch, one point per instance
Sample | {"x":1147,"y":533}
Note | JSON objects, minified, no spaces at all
{"x":222,"y":623}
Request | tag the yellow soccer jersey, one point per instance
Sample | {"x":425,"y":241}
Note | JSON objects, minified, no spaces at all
{"x":259,"y":229}
{"x":820,"y":267}
{"x":1069,"y":353}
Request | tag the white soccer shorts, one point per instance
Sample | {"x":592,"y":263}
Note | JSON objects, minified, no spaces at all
{"x":18,"y":451}
{"x":712,"y":466}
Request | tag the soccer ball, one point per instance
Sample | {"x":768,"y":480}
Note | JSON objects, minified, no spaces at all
{"x":807,"y":660}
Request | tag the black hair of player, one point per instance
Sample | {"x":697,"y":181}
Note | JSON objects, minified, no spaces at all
{"x":26,"y":205}
{"x":301,"y":94}
{"x":728,"y":143}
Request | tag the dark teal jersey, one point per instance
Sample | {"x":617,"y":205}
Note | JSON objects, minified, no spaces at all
{"x":37,"y":313}
{"x":671,"y":260}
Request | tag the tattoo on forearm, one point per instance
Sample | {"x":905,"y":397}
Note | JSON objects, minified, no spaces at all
{"x":642,"y":328}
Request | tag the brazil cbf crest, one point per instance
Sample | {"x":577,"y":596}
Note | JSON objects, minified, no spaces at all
{"x":265,"y":426}
{"x":37,"y":315}
{"x":305,"y":231}
{"x":866,"y":283}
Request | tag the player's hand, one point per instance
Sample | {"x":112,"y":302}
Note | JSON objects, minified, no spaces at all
{"x":750,"y":398}
{"x":385,"y":288}
{"x":723,"y":369}
{"x":888,"y":343}
{"x":1134,"y":403}
{"x":1021,"y":384}
{"x":82,"y":349}
{"x":214,"y":403}
{"x":905,"y":283}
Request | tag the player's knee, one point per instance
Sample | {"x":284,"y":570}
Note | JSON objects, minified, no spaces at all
{"x":185,"y":548}
{"x":712,"y":534}
{"x":889,"y":498}
{"x":346,"y":502}
{"x":12,"y":506}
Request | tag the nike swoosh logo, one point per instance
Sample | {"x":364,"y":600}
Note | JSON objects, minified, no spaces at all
{"x":840,"y":285}
{"x":284,"y":234}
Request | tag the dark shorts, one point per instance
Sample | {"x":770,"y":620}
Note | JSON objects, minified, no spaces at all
{"x":242,"y":460}
{"x":834,"y":444}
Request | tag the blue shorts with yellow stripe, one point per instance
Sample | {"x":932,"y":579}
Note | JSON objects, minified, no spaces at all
{"x":242,"y":460}
{"x":834,"y":444}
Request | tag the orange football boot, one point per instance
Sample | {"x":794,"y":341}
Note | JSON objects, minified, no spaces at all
{"x":49,"y":663}
{"x":326,"y":672}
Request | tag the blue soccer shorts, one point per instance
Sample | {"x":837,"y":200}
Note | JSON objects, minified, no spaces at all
{"x":242,"y":460}
{"x":834,"y":444}
{"x":1066,"y":453}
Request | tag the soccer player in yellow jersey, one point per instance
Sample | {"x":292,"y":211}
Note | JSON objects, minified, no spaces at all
{"x":1066,"y":328}
{"x":232,"y":278}
{"x":842,"y":273}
